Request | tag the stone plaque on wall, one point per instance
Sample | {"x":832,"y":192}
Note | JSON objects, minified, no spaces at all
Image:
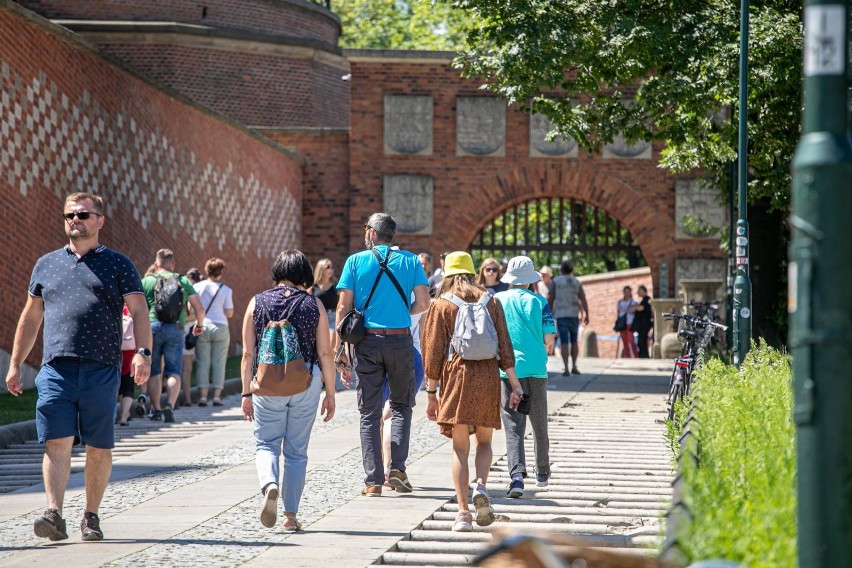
{"x":480,"y":126}
{"x":409,"y":200}
{"x":620,"y":149}
{"x":702,"y":269}
{"x":641,"y":150}
{"x":560,"y":147}
{"x":408,"y":125}
{"x":697,"y":213}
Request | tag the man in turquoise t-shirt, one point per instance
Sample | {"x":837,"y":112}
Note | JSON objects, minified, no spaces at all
{"x":531,"y":329}
{"x":387,"y":348}
{"x":168,"y":336}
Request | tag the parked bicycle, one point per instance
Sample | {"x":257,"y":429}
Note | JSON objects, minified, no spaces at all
{"x":697,"y":334}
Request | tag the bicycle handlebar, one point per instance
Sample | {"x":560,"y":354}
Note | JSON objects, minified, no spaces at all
{"x":695,"y":321}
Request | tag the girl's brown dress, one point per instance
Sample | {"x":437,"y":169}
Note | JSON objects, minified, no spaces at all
{"x":470,"y":390}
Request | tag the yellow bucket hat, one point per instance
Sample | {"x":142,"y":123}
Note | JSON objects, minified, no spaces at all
{"x":458,"y":262}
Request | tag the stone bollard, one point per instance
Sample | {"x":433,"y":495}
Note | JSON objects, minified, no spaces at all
{"x":670,"y":346}
{"x":589,"y":344}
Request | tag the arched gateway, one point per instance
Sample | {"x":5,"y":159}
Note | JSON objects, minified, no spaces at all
{"x":553,"y":229}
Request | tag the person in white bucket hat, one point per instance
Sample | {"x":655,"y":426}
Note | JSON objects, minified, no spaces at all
{"x":532,"y":331}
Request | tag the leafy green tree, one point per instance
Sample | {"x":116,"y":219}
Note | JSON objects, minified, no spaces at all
{"x":651,"y":69}
{"x":401,"y":24}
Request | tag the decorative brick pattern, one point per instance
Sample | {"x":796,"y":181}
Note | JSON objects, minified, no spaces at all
{"x":50,"y":140}
{"x":172,"y":174}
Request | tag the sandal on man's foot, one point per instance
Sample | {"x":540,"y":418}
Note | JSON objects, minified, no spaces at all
{"x":217,"y":402}
{"x":202,"y":402}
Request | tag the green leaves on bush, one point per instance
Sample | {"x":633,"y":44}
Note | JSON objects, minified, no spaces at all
{"x":741,"y":491}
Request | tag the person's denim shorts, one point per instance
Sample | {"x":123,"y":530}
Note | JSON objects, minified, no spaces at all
{"x":168,"y":344}
{"x":419,"y":376}
{"x":77,"y":397}
{"x":568,"y":328}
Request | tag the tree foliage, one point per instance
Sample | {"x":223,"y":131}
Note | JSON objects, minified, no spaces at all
{"x":651,"y":69}
{"x":401,"y":24}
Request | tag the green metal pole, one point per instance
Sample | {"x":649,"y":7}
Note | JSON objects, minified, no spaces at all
{"x":742,"y":283}
{"x":819,"y":301}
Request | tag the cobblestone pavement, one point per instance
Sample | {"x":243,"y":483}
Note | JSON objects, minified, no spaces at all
{"x":186,"y":494}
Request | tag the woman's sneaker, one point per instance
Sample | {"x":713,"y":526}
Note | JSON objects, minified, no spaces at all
{"x":484,"y":513}
{"x":50,"y":525}
{"x":516,"y":489}
{"x":541,"y":479}
{"x":463,"y":522}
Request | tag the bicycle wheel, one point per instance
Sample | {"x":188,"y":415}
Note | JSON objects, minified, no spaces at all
{"x":676,"y":392}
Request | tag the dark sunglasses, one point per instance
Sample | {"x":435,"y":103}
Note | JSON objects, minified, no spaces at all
{"x":492,"y":269}
{"x":82,"y":215}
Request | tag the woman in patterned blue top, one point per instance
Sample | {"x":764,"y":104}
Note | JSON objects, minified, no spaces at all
{"x":284,"y":423}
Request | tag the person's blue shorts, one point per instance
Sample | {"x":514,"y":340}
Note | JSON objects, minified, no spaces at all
{"x":168,"y":344}
{"x":419,"y":375}
{"x":77,"y":397}
{"x":568,"y":328}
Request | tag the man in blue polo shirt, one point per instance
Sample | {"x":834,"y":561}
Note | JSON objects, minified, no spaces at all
{"x":79,"y":292}
{"x":387,"y":348}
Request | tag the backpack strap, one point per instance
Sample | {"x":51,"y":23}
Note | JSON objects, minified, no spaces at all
{"x":453,"y":299}
{"x":383,"y":267}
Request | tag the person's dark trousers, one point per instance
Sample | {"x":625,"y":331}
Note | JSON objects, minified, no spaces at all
{"x":515,"y":424}
{"x":375,"y":357}
{"x":642,"y":340}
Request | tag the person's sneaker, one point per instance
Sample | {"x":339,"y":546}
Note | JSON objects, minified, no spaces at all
{"x":541,"y":478}
{"x":269,"y":513}
{"x":50,"y":525}
{"x":168,"y":414}
{"x":463,"y":522}
{"x":575,"y":370}
{"x":372,"y":491}
{"x":516,"y":489}
{"x":400,"y":482}
{"x":484,"y":513}
{"x":90,"y":526}
{"x":566,"y":373}
{"x":156,"y":415}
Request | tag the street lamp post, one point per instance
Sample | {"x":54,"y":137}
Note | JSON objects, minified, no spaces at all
{"x":742,"y":284}
{"x":819,"y":301}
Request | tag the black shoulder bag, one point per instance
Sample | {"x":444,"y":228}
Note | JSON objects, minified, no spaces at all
{"x":351,"y":326}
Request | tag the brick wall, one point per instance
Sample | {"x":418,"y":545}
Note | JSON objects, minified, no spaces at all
{"x":470,"y":191}
{"x":325,"y":202}
{"x":602,"y":293}
{"x":255,"y":89}
{"x":295,"y":18}
{"x":172,"y":174}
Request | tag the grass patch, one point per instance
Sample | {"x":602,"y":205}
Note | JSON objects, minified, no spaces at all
{"x":21,"y":408}
{"x":742,"y":491}
{"x":17,"y":408}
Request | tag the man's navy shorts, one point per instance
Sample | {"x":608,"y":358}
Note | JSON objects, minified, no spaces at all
{"x":77,"y":397}
{"x":568,"y":328}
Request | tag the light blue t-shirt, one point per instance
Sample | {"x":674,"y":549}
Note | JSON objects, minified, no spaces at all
{"x":528,"y":318}
{"x":386,"y":309}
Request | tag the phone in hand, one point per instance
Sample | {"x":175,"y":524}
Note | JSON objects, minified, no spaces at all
{"x":523,"y":406}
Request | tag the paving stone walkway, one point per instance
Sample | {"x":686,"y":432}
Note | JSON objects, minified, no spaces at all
{"x":185,"y":494}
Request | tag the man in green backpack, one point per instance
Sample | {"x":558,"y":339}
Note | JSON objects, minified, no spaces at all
{"x":167,"y":293}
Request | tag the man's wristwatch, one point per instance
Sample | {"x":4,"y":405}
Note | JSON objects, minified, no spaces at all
{"x":144,"y":351}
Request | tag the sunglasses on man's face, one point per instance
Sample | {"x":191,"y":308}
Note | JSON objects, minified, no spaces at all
{"x":82,"y":215}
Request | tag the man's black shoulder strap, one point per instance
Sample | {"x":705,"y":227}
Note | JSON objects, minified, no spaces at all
{"x":383,"y":266}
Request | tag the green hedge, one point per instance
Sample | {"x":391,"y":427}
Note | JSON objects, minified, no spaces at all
{"x":742,"y":490}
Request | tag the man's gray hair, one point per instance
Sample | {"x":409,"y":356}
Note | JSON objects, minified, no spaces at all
{"x":384,"y":225}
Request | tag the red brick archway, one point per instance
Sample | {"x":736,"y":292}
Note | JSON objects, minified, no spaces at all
{"x":603,"y":189}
